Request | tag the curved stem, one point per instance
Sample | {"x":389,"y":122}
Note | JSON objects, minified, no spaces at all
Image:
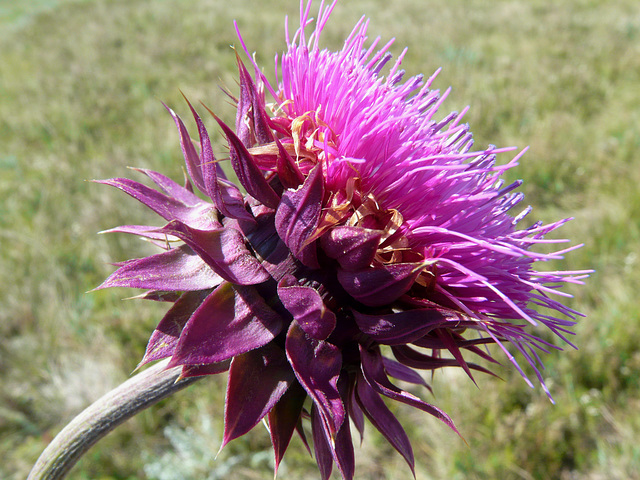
{"x":120,"y":404}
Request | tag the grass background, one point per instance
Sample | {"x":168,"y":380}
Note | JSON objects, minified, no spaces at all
{"x":80,"y":90}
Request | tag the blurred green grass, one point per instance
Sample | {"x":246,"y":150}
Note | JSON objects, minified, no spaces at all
{"x":80,"y":89}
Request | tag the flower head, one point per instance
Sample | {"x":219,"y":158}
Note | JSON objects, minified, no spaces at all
{"x":372,"y":241}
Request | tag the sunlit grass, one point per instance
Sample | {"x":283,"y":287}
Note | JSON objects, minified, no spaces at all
{"x":81,"y":85}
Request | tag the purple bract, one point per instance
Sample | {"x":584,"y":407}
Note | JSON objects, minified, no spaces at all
{"x":368,"y":227}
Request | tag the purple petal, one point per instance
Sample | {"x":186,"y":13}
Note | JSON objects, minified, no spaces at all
{"x":250,"y":118}
{"x":298,"y":215}
{"x":202,"y":370}
{"x":403,"y":373}
{"x":224,"y":251}
{"x":158,"y":296}
{"x":307,"y":307}
{"x":284,"y":418}
{"x":230,"y":200}
{"x":382,"y":418}
{"x":324,"y":459}
{"x":257,"y":380}
{"x":381,"y":285}
{"x":231,"y":321}
{"x":269,"y":247}
{"x":355,"y":413}
{"x":169,"y":208}
{"x":373,"y":370}
{"x":151,"y":232}
{"x":353,"y":247}
{"x":243,"y":114}
{"x":300,"y":431}
{"x":450,"y":345}
{"x":435,"y":343}
{"x":317,"y":365}
{"x":288,"y":172}
{"x":172,"y":188}
{"x":177,"y":269}
{"x":343,"y":453}
{"x":225,"y":196}
{"x":411,"y":358}
{"x":165,"y":337}
{"x":247,"y":171}
{"x":403,"y":327}
{"x":190,"y":155}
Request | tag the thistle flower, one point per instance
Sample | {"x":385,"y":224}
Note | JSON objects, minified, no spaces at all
{"x":372,"y":242}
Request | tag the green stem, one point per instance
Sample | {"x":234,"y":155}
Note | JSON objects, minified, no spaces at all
{"x":123,"y":402}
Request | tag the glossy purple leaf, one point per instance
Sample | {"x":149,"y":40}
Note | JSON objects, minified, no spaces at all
{"x":288,"y":172}
{"x":353,"y":247}
{"x":298,"y":215}
{"x":342,"y":450}
{"x":225,"y":196}
{"x":257,"y":380}
{"x":172,"y":188}
{"x":317,"y":365}
{"x":203,"y":370}
{"x":307,"y":307}
{"x":450,"y":345}
{"x":187,"y":182}
{"x":244,"y":114}
{"x":158,"y":296}
{"x":284,"y":418}
{"x":149,"y":232}
{"x":233,"y":320}
{"x":168,"y":207}
{"x":190,"y":155}
{"x":165,"y":337}
{"x":251,"y":117}
{"x":232,"y":201}
{"x":385,"y":421}
{"x":430,"y":341}
{"x":381,"y":285}
{"x":249,"y":175}
{"x":355,"y":413}
{"x":373,"y":371}
{"x":224,"y":250}
{"x":275,"y":257}
{"x":470,"y":345}
{"x":344,"y":455}
{"x":402,"y":327}
{"x":124,"y":262}
{"x":414,"y":359}
{"x":321,"y":446}
{"x":300,"y":431}
{"x":403,"y":373}
{"x":176,"y":269}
